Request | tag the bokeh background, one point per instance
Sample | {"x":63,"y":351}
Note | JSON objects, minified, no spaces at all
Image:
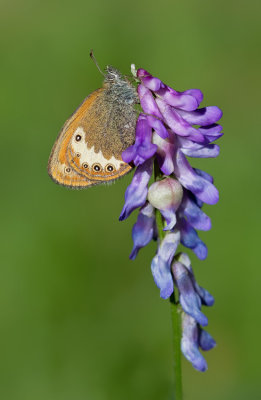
{"x":78,"y":320}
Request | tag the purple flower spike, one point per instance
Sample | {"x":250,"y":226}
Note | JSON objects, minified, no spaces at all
{"x":189,"y":299}
{"x":170,"y":128}
{"x":143,"y":230}
{"x":160,"y":265}
{"x":190,"y":343}
{"x":136,"y":193}
{"x":143,"y":149}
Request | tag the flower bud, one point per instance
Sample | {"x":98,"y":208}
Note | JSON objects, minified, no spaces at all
{"x":166,"y":195}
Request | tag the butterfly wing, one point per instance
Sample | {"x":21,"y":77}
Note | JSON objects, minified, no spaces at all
{"x":88,"y":149}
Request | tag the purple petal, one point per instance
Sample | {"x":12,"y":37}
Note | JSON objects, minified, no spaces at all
{"x":206,"y":298}
{"x":177,"y":99}
{"x":204,"y":175}
{"x":192,"y":149}
{"x":143,"y":149}
{"x":190,"y":239}
{"x":177,"y":123}
{"x":168,"y":246}
{"x":143,"y":230}
{"x":136,"y":193}
{"x":191,"y":180}
{"x":211,"y":132}
{"x":158,"y":127}
{"x":202,"y":116}
{"x":189,"y":343}
{"x":162,"y":276}
{"x":195,"y":216}
{"x":165,"y":153}
{"x":147,"y":102}
{"x":206,"y":341}
{"x":189,"y":299}
{"x":148,"y":80}
{"x":195,"y":93}
{"x":170,"y":218}
{"x":160,"y":266}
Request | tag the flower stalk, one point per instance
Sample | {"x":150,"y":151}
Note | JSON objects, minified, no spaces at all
{"x":174,"y":309}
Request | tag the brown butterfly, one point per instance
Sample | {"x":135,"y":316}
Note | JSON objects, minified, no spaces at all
{"x":89,"y":147}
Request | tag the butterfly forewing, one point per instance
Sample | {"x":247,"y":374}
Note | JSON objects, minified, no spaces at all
{"x":88,"y":149}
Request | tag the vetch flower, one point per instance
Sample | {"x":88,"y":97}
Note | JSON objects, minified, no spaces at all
{"x":171,"y":127}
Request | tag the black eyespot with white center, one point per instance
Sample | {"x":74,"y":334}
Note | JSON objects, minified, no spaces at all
{"x":96,"y":167}
{"x":85,"y":165}
{"x":109,"y":168}
{"x":78,"y":138}
{"x":67,"y":170}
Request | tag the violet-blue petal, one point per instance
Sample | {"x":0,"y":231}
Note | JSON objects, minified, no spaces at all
{"x":192,"y":149}
{"x":170,"y":218}
{"x":147,"y":102}
{"x":162,"y":276}
{"x":160,"y":265}
{"x":195,"y":93}
{"x":190,"y":239}
{"x":158,"y":126}
{"x":165,"y":152}
{"x":194,"y":182}
{"x":189,"y":343}
{"x":211,"y":132}
{"x":189,"y":299}
{"x":204,"y":175}
{"x":177,"y":123}
{"x":195,"y":216}
{"x":148,"y":80}
{"x":143,"y":149}
{"x":206,"y":298}
{"x":206,"y":341}
{"x":177,"y":99}
{"x":168,"y":246}
{"x":202,"y":116}
{"x":143,"y":229}
{"x":136,"y":193}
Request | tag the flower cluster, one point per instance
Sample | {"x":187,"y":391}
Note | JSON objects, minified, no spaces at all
{"x":170,"y":128}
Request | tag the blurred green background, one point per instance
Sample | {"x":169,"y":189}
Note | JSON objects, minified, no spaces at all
{"x":78,"y":320}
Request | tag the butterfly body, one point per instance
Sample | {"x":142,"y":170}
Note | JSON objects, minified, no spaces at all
{"x":89,"y":147}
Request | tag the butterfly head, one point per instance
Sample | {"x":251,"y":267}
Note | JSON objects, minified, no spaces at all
{"x":112,"y":74}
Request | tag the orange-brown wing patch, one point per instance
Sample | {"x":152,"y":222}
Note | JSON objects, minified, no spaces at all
{"x":59,"y":167}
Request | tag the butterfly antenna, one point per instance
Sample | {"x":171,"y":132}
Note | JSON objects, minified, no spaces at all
{"x":95,"y":62}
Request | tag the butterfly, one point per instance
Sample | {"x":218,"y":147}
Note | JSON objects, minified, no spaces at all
{"x":88,"y":149}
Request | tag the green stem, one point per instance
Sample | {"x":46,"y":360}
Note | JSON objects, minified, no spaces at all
{"x":176,"y":328}
{"x":175,"y":311}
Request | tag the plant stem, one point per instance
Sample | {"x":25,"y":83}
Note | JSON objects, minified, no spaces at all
{"x":175,"y":311}
{"x":176,"y":328}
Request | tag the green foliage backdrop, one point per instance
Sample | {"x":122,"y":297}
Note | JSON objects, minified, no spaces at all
{"x":78,"y":320}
